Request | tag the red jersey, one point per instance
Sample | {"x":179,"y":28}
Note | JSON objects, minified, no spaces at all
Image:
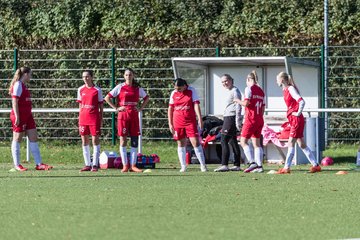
{"x":292,"y":99}
{"x":127,"y":96}
{"x":254,"y":111}
{"x":20,"y":91}
{"x":183,"y":104}
{"x":89,"y":100}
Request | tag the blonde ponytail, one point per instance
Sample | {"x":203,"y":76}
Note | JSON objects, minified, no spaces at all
{"x":18,"y":75}
{"x":291,"y":81}
{"x":288,"y":79}
{"x":253,"y":76}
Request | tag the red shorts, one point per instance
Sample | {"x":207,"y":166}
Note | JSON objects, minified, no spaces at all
{"x":26,"y":122}
{"x":297,"y":126}
{"x":128,"y":123}
{"x":190,"y":130}
{"x":252,"y":130}
{"x":93,"y":130}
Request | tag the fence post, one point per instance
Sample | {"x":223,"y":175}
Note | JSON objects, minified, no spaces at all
{"x":322,"y":77}
{"x":113,"y":78}
{"x":16,"y":55}
{"x":324,"y":85}
{"x":217,"y":51}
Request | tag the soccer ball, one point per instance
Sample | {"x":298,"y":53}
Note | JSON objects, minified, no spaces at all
{"x":327,"y":161}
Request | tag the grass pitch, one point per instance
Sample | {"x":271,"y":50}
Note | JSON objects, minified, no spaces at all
{"x":165,"y":204}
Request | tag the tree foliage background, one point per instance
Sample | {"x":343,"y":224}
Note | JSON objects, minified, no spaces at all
{"x":174,"y":23}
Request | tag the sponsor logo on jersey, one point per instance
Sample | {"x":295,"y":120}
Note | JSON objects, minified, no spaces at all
{"x":182,"y":108}
{"x":87,"y":106}
{"x":258,"y":97}
{"x":130,"y":103}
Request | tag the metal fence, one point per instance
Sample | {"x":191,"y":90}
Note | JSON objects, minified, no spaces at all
{"x":57,"y":75}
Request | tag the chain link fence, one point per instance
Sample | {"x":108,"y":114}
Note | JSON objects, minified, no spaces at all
{"x":57,"y":75}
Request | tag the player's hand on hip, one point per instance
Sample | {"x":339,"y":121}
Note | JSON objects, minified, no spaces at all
{"x":121,"y":109}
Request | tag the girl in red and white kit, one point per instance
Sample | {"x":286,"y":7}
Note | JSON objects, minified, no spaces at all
{"x":90,"y":99}
{"x":295,"y":104}
{"x":254,"y":103}
{"x":184,"y":108}
{"x":128,"y":95}
{"x":22,"y":119}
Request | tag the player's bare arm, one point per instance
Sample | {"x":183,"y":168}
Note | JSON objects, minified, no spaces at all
{"x":170,"y":118}
{"x":243,"y":103}
{"x":15,"y":105}
{"x":198,"y":115}
{"x":144,"y":103}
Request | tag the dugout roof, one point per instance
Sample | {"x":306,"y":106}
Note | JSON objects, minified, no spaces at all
{"x":245,"y":61}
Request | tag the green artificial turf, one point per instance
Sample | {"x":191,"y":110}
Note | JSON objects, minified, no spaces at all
{"x":165,"y":204}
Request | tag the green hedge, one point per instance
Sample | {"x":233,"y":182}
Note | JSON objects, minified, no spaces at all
{"x":174,"y":23}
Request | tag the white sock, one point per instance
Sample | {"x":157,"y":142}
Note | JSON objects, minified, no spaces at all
{"x":133,"y":155}
{"x":289,"y":157}
{"x":123,"y":155}
{"x":15,"y":151}
{"x":96,"y":155}
{"x":310,"y":155}
{"x":182,"y":156}
{"x":258,"y":155}
{"x":199,"y":152}
{"x":249,"y":154}
{"x":86,"y":154}
{"x":358,"y":159}
{"x":35,"y":151}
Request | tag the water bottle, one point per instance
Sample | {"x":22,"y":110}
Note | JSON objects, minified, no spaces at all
{"x":188,"y":158}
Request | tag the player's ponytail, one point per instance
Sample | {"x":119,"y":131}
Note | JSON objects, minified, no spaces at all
{"x":18,"y":75}
{"x":288,"y":79}
{"x":291,"y":80}
{"x":253,"y":76}
{"x":292,"y":83}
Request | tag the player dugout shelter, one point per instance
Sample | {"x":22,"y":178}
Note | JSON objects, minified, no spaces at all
{"x":204,"y":74}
